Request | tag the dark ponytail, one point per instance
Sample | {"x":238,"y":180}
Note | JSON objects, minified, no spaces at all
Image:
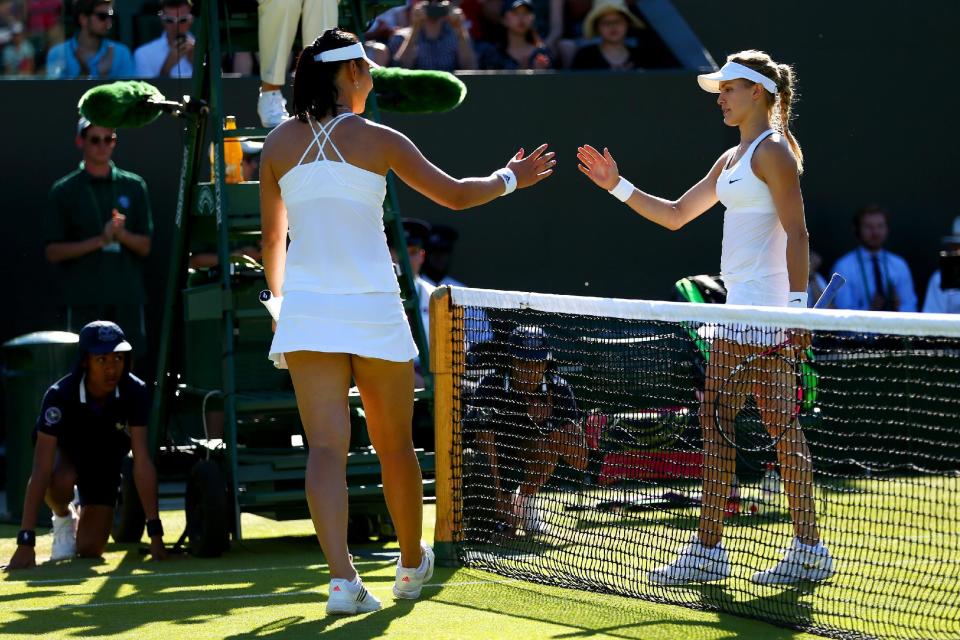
{"x":314,"y":82}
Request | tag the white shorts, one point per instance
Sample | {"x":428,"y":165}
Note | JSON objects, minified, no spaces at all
{"x":771,"y":291}
{"x":372,"y":325}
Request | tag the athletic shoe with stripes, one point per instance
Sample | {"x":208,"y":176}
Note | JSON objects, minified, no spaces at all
{"x":409,"y":582}
{"x":694,"y":563}
{"x":350,"y":597}
{"x":799,"y":563}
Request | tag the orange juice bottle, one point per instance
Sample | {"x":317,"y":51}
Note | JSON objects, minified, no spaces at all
{"x":232,"y":154}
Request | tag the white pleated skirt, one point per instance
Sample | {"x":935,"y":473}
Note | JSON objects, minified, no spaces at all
{"x":770,"y":291}
{"x":371,"y":325}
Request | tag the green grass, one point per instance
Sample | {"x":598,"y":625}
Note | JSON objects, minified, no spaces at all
{"x":273,"y":585}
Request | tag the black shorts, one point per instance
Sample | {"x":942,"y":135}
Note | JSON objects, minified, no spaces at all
{"x":98,"y":481}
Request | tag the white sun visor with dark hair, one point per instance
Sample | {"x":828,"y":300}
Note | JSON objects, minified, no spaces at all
{"x":352,"y":52}
{"x":733,"y":71}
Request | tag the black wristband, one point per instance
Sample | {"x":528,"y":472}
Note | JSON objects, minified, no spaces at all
{"x":154,"y":528}
{"x":27,"y":538}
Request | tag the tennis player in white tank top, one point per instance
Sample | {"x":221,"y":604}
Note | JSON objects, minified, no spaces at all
{"x":322,"y":183}
{"x":764,"y":261}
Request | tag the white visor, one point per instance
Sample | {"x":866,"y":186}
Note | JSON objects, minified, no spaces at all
{"x":351,"y":52}
{"x":732,"y":71}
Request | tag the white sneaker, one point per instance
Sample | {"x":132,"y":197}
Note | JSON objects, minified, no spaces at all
{"x":409,"y":582}
{"x":695,"y":563}
{"x":525,"y":507}
{"x":271,"y":107}
{"x":350,"y":597}
{"x":64,"y":536}
{"x":800,"y":562}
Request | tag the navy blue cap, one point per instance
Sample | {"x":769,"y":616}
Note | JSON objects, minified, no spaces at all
{"x":529,"y":342}
{"x":510,"y":5}
{"x":102,"y":336}
{"x":415,"y":232}
{"x":442,"y":238}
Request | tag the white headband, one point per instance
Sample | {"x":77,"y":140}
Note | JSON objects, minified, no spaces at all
{"x":351,"y":52}
{"x":732,"y":71}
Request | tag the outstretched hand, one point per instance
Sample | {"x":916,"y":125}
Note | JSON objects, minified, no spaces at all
{"x":601,"y":168}
{"x":533,"y":168}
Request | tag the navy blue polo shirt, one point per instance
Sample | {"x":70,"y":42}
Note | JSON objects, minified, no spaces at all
{"x":87,"y":432}
{"x":499,"y":407}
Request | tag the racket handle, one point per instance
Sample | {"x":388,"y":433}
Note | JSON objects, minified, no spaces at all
{"x":830,"y":291}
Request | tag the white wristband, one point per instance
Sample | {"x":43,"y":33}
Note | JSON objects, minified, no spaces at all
{"x":509,"y":180}
{"x":797,"y":299}
{"x":623,"y":190}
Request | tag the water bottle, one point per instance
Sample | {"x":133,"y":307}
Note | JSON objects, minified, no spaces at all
{"x":232,"y":155}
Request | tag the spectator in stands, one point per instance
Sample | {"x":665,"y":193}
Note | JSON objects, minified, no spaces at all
{"x":90,"y":419}
{"x":944,"y":297}
{"x":278,"y":27}
{"x":522,"y":420}
{"x":90,"y":53}
{"x":18,"y":54}
{"x":611,"y":22}
{"x":520,"y":46}
{"x":45,"y":22}
{"x":251,"y":160}
{"x":437,"y":39}
{"x":815,"y":282}
{"x":876,"y":279}
{"x":98,"y":232}
{"x":439,"y":248}
{"x":485,"y":20}
{"x":170,"y":55}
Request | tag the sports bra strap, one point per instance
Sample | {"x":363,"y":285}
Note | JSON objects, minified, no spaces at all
{"x":753,"y":145}
{"x":321,"y":137}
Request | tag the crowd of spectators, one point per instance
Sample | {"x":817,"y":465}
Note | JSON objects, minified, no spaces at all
{"x":83,"y":38}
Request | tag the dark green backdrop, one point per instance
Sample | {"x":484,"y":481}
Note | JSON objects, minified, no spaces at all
{"x":876,"y":121}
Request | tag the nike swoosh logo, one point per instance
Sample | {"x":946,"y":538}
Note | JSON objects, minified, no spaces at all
{"x":795,"y":300}
{"x":737,"y":180}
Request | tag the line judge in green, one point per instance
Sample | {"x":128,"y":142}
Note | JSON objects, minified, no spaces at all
{"x":97,"y":231}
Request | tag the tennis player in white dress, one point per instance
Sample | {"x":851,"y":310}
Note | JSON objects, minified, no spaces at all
{"x":322,"y":183}
{"x":764,"y":261}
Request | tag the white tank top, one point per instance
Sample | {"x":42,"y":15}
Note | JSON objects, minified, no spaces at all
{"x":335,"y":220}
{"x":754,"y":242}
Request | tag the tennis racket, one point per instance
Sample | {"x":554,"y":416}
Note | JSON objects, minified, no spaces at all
{"x":770,"y":379}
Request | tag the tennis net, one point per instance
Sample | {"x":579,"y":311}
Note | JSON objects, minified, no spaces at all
{"x":796,"y":466}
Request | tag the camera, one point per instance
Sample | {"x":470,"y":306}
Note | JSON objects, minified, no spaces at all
{"x":437,"y":10}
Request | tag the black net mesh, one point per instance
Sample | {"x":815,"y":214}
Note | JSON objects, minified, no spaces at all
{"x":610,"y":454}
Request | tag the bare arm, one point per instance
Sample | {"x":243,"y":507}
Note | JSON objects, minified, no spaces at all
{"x":145,"y":477}
{"x":44,"y":456}
{"x":602,"y":169}
{"x":273,"y":224}
{"x":407,"y":53}
{"x":60,"y":251}
{"x":135,"y":242}
{"x":466,"y":57}
{"x":776,"y":166}
{"x":405,"y":159}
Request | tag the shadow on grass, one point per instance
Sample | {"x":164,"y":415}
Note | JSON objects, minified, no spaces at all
{"x":589,"y":614}
{"x":196,"y":592}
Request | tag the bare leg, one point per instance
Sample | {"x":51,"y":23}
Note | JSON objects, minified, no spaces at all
{"x":720,"y":461}
{"x":796,"y":466}
{"x":93,"y":530}
{"x":321,"y":382}
{"x":539,"y":467}
{"x":60,"y":491}
{"x":387,"y":391}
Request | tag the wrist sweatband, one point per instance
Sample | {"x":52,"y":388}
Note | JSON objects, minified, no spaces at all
{"x":623,"y":190}
{"x":509,"y":180}
{"x":27,"y":538}
{"x":797,"y":299}
{"x":154,"y":528}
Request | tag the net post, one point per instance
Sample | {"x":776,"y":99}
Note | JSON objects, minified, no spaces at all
{"x":441,"y":366}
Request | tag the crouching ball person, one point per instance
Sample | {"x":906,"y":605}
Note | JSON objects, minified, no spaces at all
{"x":323,"y":182}
{"x":89,"y":421}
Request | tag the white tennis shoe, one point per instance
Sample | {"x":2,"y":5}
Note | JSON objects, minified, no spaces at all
{"x":64,"y":536}
{"x":525,"y":508}
{"x":410,"y":582}
{"x":694,"y":563}
{"x":271,"y":107}
{"x":799,"y":563}
{"x":350,"y":597}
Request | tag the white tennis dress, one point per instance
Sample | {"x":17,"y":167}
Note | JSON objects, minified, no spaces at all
{"x":340,"y":291}
{"x":753,"y":258}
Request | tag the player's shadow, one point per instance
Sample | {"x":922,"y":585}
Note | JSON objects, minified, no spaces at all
{"x":791,"y":605}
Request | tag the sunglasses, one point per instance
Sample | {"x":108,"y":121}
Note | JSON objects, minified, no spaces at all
{"x":103,"y":15}
{"x":171,"y":20}
{"x":107,"y":140}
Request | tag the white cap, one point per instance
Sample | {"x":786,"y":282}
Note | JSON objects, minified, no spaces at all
{"x":732,"y":71}
{"x":352,"y":52}
{"x":251,"y":147}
